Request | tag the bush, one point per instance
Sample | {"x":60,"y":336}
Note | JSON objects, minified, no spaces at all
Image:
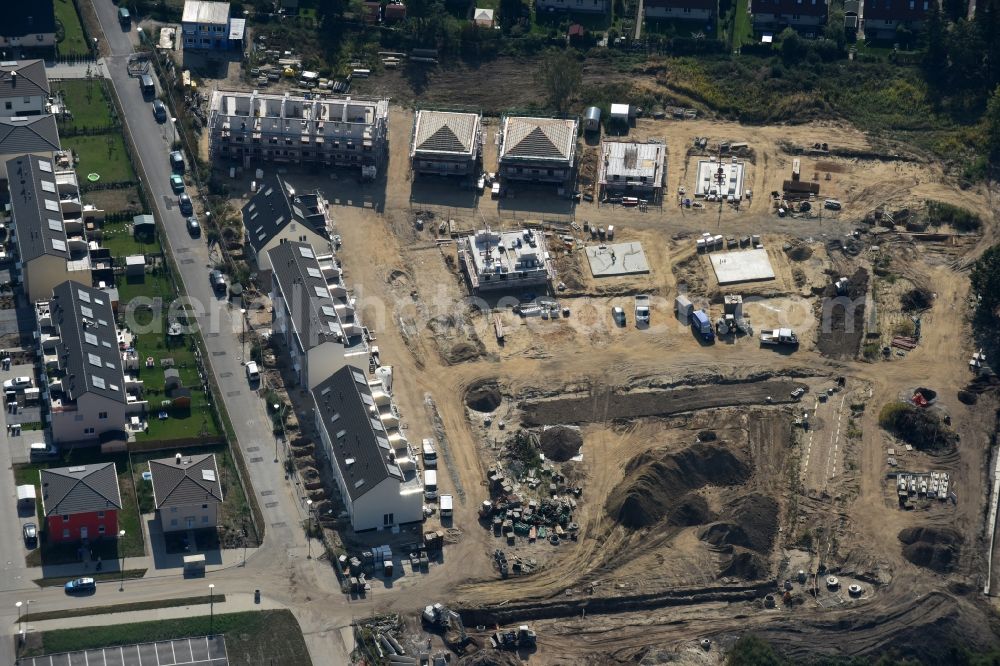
{"x":916,"y":426}
{"x":958,"y":218}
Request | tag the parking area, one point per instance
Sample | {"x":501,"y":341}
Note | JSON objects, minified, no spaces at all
{"x":200,"y":651}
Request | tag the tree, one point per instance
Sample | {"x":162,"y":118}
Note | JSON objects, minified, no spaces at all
{"x":993,"y":123}
{"x":791,"y":45}
{"x":750,"y":650}
{"x":560,"y":75}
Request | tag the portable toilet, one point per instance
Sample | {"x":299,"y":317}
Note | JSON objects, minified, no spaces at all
{"x":683,"y":306}
{"x":592,"y":119}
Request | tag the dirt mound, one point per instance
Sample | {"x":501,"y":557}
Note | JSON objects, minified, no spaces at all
{"x":935,"y":548}
{"x":919,"y":427}
{"x":463,"y":352}
{"x":757,"y":515}
{"x":483,"y":396}
{"x":799,"y":252}
{"x":745,"y":565}
{"x":560,"y":443}
{"x":707,"y":436}
{"x":692,"y":510}
{"x":724,"y":535}
{"x":657,"y":480}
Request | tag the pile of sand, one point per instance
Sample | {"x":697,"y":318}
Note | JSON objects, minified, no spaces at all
{"x":560,"y":443}
{"x":656,"y":481}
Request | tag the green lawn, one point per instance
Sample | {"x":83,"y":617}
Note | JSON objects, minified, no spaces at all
{"x":128,"y":517}
{"x":120,"y":608}
{"x":103,"y":154}
{"x":180,"y":423}
{"x":119,"y":239}
{"x":234,"y":513}
{"x":59,"y":581}
{"x":73,"y":43}
{"x":252,"y":638}
{"x":743,"y":25}
{"x":86,"y":101}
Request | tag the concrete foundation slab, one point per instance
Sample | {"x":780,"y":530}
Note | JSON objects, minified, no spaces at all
{"x":617,"y":259}
{"x":742,"y":266}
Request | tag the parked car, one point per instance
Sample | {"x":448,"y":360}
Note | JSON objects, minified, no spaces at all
{"x":218,"y":281}
{"x":177,"y":183}
{"x":184,"y":202}
{"x":177,"y":161}
{"x":618,"y":314}
{"x":193,"y":227}
{"x":30,"y":532}
{"x":159,"y":111}
{"x":253,"y":373}
{"x":81,"y":585}
{"x":17,"y":383}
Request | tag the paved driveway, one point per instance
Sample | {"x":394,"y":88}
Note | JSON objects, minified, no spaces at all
{"x":200,"y":651}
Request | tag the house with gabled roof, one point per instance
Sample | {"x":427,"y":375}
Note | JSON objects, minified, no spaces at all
{"x":313,"y":313}
{"x":808,"y":16}
{"x":883,"y":17}
{"x":538,"y":149}
{"x":24,"y":88}
{"x":49,"y":223}
{"x":372,"y":462}
{"x":278,"y":214}
{"x":88,"y":393}
{"x":446,"y":143}
{"x":21,"y":136}
{"x":187,"y":492}
{"x":80,"y":503}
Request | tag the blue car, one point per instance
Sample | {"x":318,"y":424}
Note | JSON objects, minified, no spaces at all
{"x":81,"y":585}
{"x":184,"y":203}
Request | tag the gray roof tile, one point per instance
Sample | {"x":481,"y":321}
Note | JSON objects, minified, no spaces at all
{"x":28,"y":134}
{"x":81,"y":489}
{"x":276,"y":206}
{"x":23,"y":78}
{"x":193,"y":480}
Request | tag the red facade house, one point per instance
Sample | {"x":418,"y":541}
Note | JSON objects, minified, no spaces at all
{"x":393,"y":12}
{"x":81,"y":503}
{"x":882,"y":17}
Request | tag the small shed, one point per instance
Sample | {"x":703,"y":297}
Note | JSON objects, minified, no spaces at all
{"x":143,"y":225}
{"x":620,"y":113}
{"x":684,"y":308}
{"x":592,"y":119}
{"x":135,"y":265}
{"x":171,"y":378}
{"x":483,"y":17}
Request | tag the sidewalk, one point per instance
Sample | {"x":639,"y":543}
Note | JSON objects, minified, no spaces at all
{"x":234,"y":603}
{"x":76,"y":71}
{"x":216,"y":561}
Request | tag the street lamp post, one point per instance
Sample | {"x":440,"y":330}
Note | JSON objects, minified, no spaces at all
{"x":173,"y":126}
{"x":121,"y":538}
{"x":309,"y":535}
{"x":211,"y":609}
{"x":20,"y":630}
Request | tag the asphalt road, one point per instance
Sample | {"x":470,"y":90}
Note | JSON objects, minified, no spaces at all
{"x":279,"y":568}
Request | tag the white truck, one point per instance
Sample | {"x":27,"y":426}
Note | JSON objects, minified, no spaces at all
{"x":447,"y":506}
{"x":642,"y":310}
{"x":778,"y":336}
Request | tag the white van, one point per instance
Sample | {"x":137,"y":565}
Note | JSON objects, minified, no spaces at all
{"x":430,"y":454}
{"x":430,"y":485}
{"x":253,"y":373}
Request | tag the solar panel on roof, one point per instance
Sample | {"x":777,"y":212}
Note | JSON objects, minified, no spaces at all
{"x":48,"y":186}
{"x":55,"y":225}
{"x":113,"y":387}
{"x":304,"y":250}
{"x":83,"y":295}
{"x":320,"y":292}
{"x":328,"y":311}
{"x":94,"y":359}
{"x":90,"y":338}
{"x":314,"y":272}
{"x":86,"y":312}
{"x":45,"y":165}
{"x":51,"y":205}
{"x":98,"y":381}
{"x":359,"y":378}
{"x":59,"y":245}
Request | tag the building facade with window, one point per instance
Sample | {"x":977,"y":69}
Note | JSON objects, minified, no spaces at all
{"x":884,"y":17}
{"x":688,"y":10}
{"x":24,"y":88}
{"x":80,"y":503}
{"x":27,"y":26}
{"x":446,"y":143}
{"x":808,"y":16}
{"x":207,"y":26}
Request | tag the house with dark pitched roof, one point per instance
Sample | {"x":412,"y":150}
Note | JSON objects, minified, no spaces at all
{"x":24,"y":88}
{"x":278,"y":214}
{"x":774,"y":15}
{"x":80,"y":503}
{"x":49,"y":226}
{"x":883,"y":17}
{"x":21,"y":136}
{"x":446,"y":143}
{"x":538,"y":149}
{"x":187,"y":492}
{"x":313,"y":313}
{"x":28,"y":26}
{"x":371,"y":460}
{"x":89,"y":394}
{"x":688,"y":10}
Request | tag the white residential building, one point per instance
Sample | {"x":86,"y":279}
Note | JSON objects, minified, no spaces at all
{"x":495,"y":260}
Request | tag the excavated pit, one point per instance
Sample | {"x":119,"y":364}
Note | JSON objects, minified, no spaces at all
{"x":560,"y":443}
{"x":935,"y":548}
{"x":483,"y":396}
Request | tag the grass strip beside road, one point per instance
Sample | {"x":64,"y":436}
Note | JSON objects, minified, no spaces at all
{"x":103,"y":576}
{"x":121,"y":608}
{"x":252,"y":637}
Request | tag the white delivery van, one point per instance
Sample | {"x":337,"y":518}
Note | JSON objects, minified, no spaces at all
{"x":447,"y":504}
{"x":253,"y":372}
{"x":430,"y":485}
{"x":430,"y":454}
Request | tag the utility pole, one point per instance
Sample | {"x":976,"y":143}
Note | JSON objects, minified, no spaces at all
{"x":309,"y":536}
{"x":121,"y":538}
{"x":211,"y":609}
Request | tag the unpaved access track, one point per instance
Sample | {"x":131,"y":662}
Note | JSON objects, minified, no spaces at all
{"x":603,"y":404}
